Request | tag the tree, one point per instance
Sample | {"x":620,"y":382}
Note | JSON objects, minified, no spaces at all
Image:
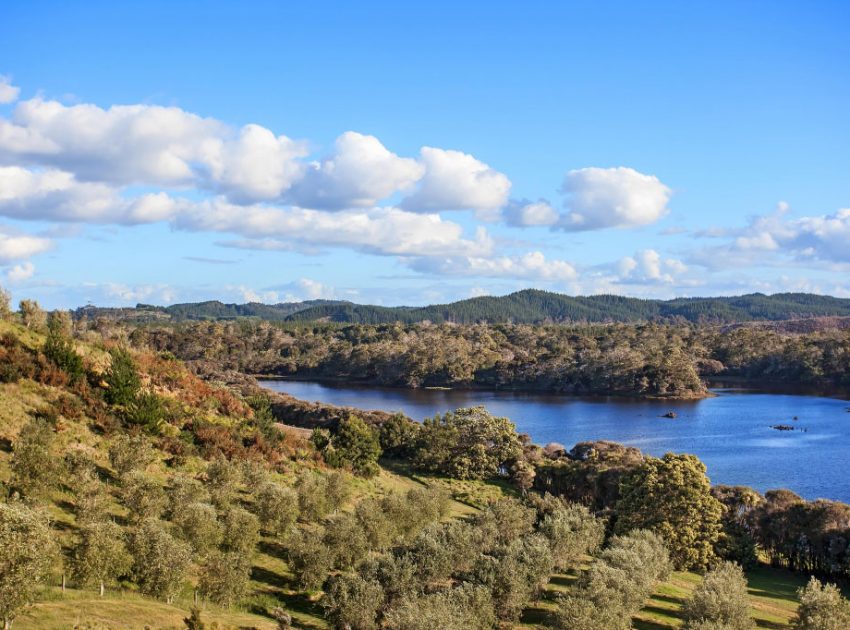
{"x":33,"y":466}
{"x":26,"y":552}
{"x":720,"y":598}
{"x":121,"y":378}
{"x":310,"y":559}
{"x":194,"y":620}
{"x":146,"y":410}
{"x":224,"y":577}
{"x":467,"y":607}
{"x":182,"y":491}
{"x":5,"y":303}
{"x":353,"y":601}
{"x":143,"y":496}
{"x":822,"y":608}
{"x":354,"y":444}
{"x":467,"y":444}
{"x":399,"y":435}
{"x":572,"y":531}
{"x":222,"y":481}
{"x":199,"y":526}
{"x":240,"y":531}
{"x":60,"y":349}
{"x":130,"y":452}
{"x":276,"y":506}
{"x":101,"y":556}
{"x":672,"y":497}
{"x":32,"y":315}
{"x":160,"y":562}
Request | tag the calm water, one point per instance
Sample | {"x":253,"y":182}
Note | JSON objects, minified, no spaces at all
{"x":731,"y":432}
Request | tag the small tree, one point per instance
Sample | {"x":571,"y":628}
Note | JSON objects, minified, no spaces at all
{"x":222,"y":481}
{"x":313,"y":501}
{"x":60,"y":349}
{"x":101,"y":556}
{"x":5,"y":303}
{"x":194,"y":620}
{"x":572,"y":531}
{"x":33,"y":467}
{"x":276,"y":507}
{"x":241,"y":531}
{"x":32,"y":316}
{"x":130,"y":452}
{"x":183,"y":490}
{"x":822,"y":608}
{"x":720,"y":598}
{"x":26,"y":552}
{"x":224,"y":577}
{"x":310,"y":559}
{"x":354,"y":444}
{"x":199,"y":526}
{"x":353,"y":601}
{"x":143,"y":496}
{"x":160,"y":561}
{"x":122,"y":379}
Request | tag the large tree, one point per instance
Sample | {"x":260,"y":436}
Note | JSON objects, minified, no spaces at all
{"x":672,"y":497}
{"x":26,"y":552}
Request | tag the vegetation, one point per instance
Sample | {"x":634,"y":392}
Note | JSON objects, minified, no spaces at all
{"x":462,"y":524}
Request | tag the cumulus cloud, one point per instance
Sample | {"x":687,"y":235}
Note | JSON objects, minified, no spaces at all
{"x":530,"y":266}
{"x":612,"y":197}
{"x":8,"y":92}
{"x":384,"y":230}
{"x":361,"y":172}
{"x":457,"y":181}
{"x":648,"y":266}
{"x":530,"y":214}
{"x":21,"y":272}
{"x":15,"y":246}
{"x":55,"y":195}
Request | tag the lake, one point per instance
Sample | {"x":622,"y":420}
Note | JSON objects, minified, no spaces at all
{"x":730,"y":432}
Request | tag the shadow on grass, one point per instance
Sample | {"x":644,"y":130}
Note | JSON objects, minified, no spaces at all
{"x":270,"y":578}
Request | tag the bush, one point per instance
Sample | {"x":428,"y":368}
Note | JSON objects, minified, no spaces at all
{"x":129,"y":453}
{"x":720,"y":598}
{"x":199,"y":526}
{"x":34,"y":470}
{"x":276,"y":506}
{"x":143,"y":496}
{"x":224,"y":577}
{"x":101,"y":555}
{"x":240,"y":531}
{"x":822,"y":608}
{"x":222,"y":481}
{"x":353,"y":444}
{"x":122,"y":379}
{"x":160,"y":561}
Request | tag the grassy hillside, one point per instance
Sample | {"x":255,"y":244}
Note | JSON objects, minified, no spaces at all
{"x":216,"y":414}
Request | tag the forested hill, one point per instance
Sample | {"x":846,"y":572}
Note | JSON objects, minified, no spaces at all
{"x":530,"y":306}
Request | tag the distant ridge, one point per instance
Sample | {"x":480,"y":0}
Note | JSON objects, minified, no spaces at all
{"x":530,"y":306}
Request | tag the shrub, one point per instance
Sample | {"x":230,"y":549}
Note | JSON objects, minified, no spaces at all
{"x":130,"y":452}
{"x":101,"y":556}
{"x":34,"y":470}
{"x":224,"y":577}
{"x":276,"y":506}
{"x":160,"y":561}
{"x":822,"y":608}
{"x":720,"y":598}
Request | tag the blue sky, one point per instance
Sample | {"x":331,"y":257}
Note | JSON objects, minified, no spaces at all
{"x":422,"y":152}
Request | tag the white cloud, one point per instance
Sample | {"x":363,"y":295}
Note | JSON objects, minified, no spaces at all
{"x":530,"y":266}
{"x":55,"y":195}
{"x":257,"y":165}
{"x":360,"y":173}
{"x":21,"y":272}
{"x":8,"y":92}
{"x":388,"y":230}
{"x":14,"y":246}
{"x":457,"y":181}
{"x":647,"y":266}
{"x":530,"y":214}
{"x":612,"y":197}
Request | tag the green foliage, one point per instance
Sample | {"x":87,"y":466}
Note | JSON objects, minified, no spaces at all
{"x":34,"y":469}
{"x":32,"y":316}
{"x":466,"y":607}
{"x":572,"y":531}
{"x":354,"y":444}
{"x":320,"y":494}
{"x":240,"y":531}
{"x":276,"y":506}
{"x":146,"y":410}
{"x":672,"y":497}
{"x":26,"y":553}
{"x":224,"y":577}
{"x":194,"y":621}
{"x":720,"y":598}
{"x":122,"y":379}
{"x":310,"y":559}
{"x":60,"y":350}
{"x":160,"y":562}
{"x":101,"y":555}
{"x":223,"y":477}
{"x":129,"y":453}
{"x":353,"y":601}
{"x":467,"y":444}
{"x":143,"y":496}
{"x":198,"y":525}
{"x":182,"y":491}
{"x":399,"y":436}
{"x":822,"y":608}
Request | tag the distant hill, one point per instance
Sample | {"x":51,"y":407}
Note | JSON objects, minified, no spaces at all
{"x":530,"y":306}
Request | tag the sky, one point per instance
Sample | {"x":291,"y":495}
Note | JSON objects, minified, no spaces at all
{"x":414,"y":153}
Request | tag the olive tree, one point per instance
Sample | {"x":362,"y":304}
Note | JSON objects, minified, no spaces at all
{"x":721,"y":598}
{"x":198,"y":525}
{"x":822,"y":608}
{"x":34,"y":469}
{"x":224,"y":577}
{"x":276,"y":506}
{"x":101,"y":555}
{"x":130,"y":452}
{"x":160,"y":562}
{"x":143,"y":496}
{"x":26,"y":552}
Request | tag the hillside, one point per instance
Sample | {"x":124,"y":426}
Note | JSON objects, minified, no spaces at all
{"x":530,"y":306}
